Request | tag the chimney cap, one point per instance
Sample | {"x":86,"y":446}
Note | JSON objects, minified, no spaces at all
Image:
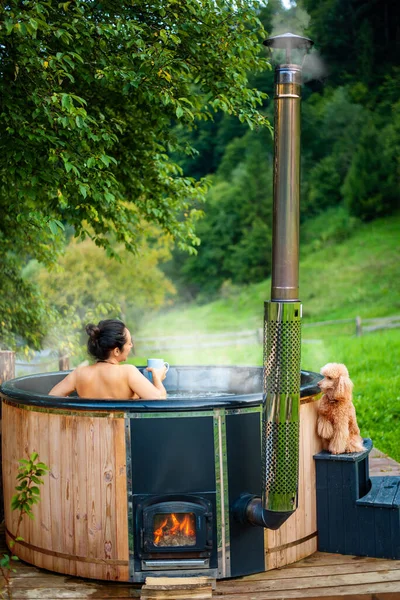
{"x":289,"y":41}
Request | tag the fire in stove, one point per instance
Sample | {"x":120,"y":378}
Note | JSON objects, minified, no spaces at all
{"x":175,"y":530}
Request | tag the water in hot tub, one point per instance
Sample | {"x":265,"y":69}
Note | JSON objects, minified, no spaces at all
{"x":175,"y":394}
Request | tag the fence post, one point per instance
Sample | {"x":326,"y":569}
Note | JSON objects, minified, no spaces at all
{"x":7,"y":371}
{"x":358,"y":327}
{"x":7,"y":365}
{"x":63,"y":362}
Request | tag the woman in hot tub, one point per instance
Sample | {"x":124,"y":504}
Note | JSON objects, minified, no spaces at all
{"x":110,"y":343}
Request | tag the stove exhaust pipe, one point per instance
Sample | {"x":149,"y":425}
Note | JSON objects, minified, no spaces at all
{"x":282,"y":315}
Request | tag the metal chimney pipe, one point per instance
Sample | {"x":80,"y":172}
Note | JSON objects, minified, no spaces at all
{"x":282,"y":315}
{"x":285,"y":240}
{"x":282,"y":318}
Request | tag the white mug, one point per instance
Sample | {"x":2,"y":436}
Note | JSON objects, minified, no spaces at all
{"x":157,"y":363}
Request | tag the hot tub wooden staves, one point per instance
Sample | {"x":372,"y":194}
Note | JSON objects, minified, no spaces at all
{"x":80,"y":524}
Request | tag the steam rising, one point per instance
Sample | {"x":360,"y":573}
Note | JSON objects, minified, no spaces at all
{"x":297,"y":21}
{"x":314,"y":67}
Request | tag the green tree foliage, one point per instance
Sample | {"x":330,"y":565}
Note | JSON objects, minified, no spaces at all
{"x":236,"y":235}
{"x":331,"y":124}
{"x":358,"y":38}
{"x":86,"y":278}
{"x":88,"y":93}
{"x":368,"y":189}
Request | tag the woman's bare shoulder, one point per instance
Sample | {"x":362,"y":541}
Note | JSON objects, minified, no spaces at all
{"x":130,"y":368}
{"x":82,"y":369}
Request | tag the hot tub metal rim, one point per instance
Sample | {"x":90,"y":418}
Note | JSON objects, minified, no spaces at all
{"x":11,"y":392}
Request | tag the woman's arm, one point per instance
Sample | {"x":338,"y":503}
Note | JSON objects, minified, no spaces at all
{"x":143,"y":387}
{"x":65,"y":387}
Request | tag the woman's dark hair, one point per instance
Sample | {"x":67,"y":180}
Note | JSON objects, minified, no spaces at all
{"x":104,"y":337}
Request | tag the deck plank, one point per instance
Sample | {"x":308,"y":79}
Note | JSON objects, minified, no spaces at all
{"x":307,"y":583}
{"x":381,"y":464}
{"x":363,"y":592}
{"x":355,"y":568}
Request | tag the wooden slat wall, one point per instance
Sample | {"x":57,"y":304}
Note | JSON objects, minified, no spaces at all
{"x":82,"y":514}
{"x":282,"y":547}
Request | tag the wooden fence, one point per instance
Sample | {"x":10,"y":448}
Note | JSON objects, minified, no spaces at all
{"x":144,"y":345}
{"x":62,"y":360}
{"x":253,"y":336}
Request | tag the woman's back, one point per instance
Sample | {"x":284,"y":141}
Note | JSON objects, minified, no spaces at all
{"x":103,"y":380}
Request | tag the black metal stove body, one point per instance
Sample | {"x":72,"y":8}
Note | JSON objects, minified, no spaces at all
{"x":185,"y":471}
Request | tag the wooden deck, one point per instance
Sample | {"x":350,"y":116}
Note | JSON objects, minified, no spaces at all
{"x":320,"y":576}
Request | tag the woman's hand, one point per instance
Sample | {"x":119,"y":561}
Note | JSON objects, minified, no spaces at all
{"x":158,"y":373}
{"x":141,"y":386}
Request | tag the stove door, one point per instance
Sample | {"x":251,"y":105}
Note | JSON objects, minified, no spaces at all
{"x":175,"y":525}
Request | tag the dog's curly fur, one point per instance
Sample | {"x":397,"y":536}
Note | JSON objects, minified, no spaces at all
{"x":336,"y":423}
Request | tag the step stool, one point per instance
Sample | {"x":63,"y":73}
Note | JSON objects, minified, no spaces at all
{"x":356,"y":514}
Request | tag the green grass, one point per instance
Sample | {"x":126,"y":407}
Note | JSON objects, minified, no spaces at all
{"x":357,"y":276}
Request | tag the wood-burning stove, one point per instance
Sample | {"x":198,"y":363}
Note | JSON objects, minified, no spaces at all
{"x":173,"y":493}
{"x":174,"y":531}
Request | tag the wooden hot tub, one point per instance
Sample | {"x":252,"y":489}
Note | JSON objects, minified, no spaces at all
{"x":108,"y":458}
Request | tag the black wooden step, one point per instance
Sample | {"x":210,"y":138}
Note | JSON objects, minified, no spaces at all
{"x":384,"y":493}
{"x":356,"y":514}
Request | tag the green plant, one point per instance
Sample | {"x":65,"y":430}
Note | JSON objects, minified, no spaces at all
{"x":27,"y":494}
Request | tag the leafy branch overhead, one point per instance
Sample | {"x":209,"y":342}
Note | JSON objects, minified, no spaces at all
{"x":89,"y":91}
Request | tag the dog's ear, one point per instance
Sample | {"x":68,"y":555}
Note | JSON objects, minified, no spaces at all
{"x":344,"y":387}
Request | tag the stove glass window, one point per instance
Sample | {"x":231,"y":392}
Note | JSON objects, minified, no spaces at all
{"x":174,"y":529}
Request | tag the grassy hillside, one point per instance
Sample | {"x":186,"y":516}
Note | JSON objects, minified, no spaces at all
{"x":358,"y":276}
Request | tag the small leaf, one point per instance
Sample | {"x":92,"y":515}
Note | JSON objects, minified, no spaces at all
{"x":53,"y":227}
{"x":105,"y":159}
{"x":66,"y":101}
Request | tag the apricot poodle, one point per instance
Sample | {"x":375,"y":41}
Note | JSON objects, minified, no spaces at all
{"x":336,"y":423}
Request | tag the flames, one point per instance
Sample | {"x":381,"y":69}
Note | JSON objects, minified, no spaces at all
{"x":176,"y":529}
